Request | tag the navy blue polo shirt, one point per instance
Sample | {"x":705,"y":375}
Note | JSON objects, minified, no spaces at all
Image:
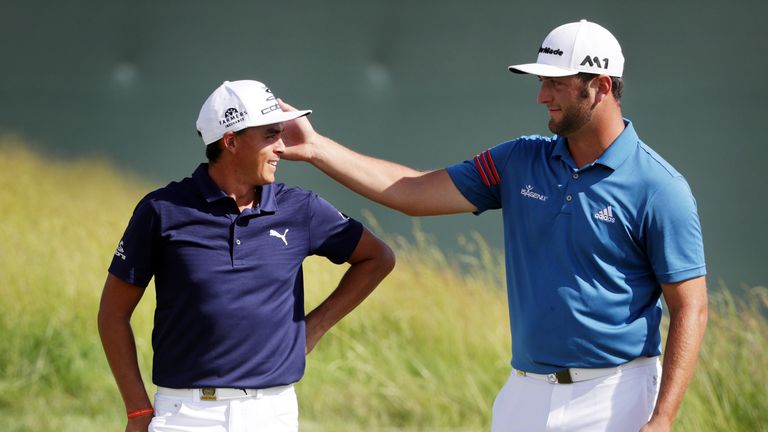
{"x":230,"y":293}
{"x":586,"y":248}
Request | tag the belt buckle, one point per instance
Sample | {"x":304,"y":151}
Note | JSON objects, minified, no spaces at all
{"x":208,"y":394}
{"x":562,"y":377}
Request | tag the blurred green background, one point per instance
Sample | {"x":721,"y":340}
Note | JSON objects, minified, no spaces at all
{"x":420,"y":82}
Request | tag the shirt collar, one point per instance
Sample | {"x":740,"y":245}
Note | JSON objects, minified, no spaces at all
{"x":211,"y":191}
{"x":613,"y":156}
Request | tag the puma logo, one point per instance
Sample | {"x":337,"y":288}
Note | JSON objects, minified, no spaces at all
{"x":273,"y":233}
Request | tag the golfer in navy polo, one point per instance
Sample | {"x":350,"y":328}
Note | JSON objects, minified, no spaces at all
{"x":597,"y":226}
{"x":225,"y":247}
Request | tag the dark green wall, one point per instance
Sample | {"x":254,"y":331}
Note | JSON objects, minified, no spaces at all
{"x":420,"y":82}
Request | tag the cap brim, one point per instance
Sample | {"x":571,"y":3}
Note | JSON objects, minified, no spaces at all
{"x":541,"y":70}
{"x":277,"y":117}
{"x":272,"y":118}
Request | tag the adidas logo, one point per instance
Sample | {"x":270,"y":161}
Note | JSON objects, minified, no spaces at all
{"x":606,"y":215}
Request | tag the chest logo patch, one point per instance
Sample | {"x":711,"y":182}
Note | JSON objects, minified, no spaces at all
{"x":527,"y":191}
{"x":606,"y":215}
{"x":273,"y":233}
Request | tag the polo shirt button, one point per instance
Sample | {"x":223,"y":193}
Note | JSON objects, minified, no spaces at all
{"x":575,"y":176}
{"x":237,"y":241}
{"x":568,"y":198}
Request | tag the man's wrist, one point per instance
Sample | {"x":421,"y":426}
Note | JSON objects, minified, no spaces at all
{"x":141,"y":413}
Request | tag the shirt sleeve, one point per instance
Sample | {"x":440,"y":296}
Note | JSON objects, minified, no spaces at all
{"x":674,"y":241}
{"x":333,"y":234}
{"x":133,"y":261}
{"x":480,"y":179}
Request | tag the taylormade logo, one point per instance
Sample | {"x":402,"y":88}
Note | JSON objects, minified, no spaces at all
{"x":548,"y":50}
{"x":232,"y":117}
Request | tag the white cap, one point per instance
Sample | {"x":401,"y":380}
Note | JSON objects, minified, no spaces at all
{"x":237,"y":105}
{"x":576,"y":47}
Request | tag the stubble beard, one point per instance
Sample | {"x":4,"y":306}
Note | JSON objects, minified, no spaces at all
{"x":574,"y":117}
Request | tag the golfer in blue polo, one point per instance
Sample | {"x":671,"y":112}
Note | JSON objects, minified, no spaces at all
{"x":597,"y":226}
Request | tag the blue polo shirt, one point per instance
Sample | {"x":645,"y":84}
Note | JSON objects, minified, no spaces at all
{"x":586,"y":248}
{"x":230,"y":293}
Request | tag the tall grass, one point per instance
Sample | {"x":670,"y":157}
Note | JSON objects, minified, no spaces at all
{"x":427,"y":351}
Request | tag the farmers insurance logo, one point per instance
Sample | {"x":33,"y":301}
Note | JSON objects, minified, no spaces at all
{"x":232,"y":117}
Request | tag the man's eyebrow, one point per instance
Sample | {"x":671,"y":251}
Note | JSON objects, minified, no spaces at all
{"x":273,"y":130}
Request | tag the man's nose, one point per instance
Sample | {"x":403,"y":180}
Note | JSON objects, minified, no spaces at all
{"x":279,"y":146}
{"x":544,"y":96}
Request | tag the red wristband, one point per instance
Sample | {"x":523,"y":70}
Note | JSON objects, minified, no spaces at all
{"x":141,"y":413}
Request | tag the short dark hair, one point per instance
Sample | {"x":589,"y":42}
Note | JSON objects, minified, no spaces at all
{"x":213,"y":151}
{"x":617,"y":84}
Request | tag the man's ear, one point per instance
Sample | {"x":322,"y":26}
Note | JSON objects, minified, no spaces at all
{"x":228,"y":141}
{"x":602,"y":85}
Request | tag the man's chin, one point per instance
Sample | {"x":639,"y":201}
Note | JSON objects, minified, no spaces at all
{"x":554,"y":127}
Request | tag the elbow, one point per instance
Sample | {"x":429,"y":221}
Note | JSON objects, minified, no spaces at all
{"x":412,"y":212}
{"x":103,"y":319}
{"x":703,"y":315}
{"x":387,"y":260}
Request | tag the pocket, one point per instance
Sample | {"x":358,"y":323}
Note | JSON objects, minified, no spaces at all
{"x":652,"y":391}
{"x":174,"y":414}
{"x":286,"y":409}
{"x":164,"y":408}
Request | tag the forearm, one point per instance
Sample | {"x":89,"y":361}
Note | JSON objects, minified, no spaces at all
{"x":686,"y":332}
{"x":120,"y":349}
{"x":356,"y":284}
{"x":388,"y":183}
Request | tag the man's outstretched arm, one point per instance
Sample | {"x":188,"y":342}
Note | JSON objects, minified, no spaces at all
{"x":413,"y":192}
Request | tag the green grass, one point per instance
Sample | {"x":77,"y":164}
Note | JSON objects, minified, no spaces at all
{"x":426,"y":352}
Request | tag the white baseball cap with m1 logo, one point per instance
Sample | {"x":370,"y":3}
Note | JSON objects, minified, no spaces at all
{"x":576,"y":47}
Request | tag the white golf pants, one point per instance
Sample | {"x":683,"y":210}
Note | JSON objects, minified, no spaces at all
{"x":620,"y":402}
{"x":274,"y":410}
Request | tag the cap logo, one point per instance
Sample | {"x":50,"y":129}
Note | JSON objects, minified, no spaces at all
{"x":232,"y":117}
{"x":548,"y":50}
{"x":270,"y":108}
{"x":594,"y":62}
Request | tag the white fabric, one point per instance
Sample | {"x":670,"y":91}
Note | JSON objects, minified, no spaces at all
{"x":236,"y":105}
{"x":616,"y":403}
{"x":576,"y":47}
{"x":274,"y":410}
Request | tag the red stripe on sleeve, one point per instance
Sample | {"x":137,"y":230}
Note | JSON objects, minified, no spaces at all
{"x":489,"y":160}
{"x":480,"y":170}
{"x":487,"y":170}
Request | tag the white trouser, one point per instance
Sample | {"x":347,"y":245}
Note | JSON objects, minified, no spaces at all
{"x":622,"y":401}
{"x":234,"y":410}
